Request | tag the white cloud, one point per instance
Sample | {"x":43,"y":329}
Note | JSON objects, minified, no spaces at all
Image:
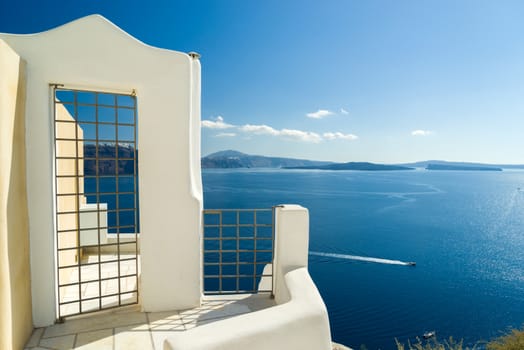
{"x":259,"y":129}
{"x":218,"y":123}
{"x":421,"y":132}
{"x":339,"y":136}
{"x":226,"y":134}
{"x":343,"y":111}
{"x":299,"y":135}
{"x":262,"y":129}
{"x":321,"y":113}
{"x":306,"y":136}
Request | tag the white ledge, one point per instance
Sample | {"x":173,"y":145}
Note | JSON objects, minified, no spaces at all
{"x":301,"y":323}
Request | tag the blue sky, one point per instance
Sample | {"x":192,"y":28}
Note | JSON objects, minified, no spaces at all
{"x":375,"y":80}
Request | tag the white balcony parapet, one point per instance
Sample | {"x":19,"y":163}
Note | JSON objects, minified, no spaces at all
{"x":298,"y":321}
{"x":92,"y":216}
{"x":301,"y":323}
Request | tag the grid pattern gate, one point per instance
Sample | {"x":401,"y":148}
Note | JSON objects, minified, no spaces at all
{"x":96,"y":186}
{"x":238,"y":251}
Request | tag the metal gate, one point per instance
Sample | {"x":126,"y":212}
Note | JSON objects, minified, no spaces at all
{"x":96,"y":205}
{"x":238,"y":251}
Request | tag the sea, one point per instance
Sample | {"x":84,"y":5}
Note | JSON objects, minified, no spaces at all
{"x":464,"y":230}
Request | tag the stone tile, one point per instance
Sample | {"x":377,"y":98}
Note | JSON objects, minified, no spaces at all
{"x":65,"y":342}
{"x":226,"y":310}
{"x":35,"y":337}
{"x":137,"y":330}
{"x":205,"y":308}
{"x":193,"y":315}
{"x":96,"y":340}
{"x":98,"y":322}
{"x":174,"y":326}
{"x":258,"y":302}
{"x":161,"y":317}
{"x":133,"y":338}
{"x":213,"y":304}
{"x":221,"y":307}
{"x":165,"y":321}
{"x":197,"y":323}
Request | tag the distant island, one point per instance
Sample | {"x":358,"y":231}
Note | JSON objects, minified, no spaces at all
{"x":107,"y":163}
{"x":355,"y":166}
{"x":231,"y":159}
{"x":234,"y":159}
{"x":446,"y":165}
{"x":461,"y":167}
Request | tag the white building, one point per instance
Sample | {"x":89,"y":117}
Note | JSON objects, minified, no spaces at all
{"x":77,"y":104}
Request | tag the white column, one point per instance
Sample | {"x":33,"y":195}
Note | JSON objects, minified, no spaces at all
{"x":291,"y":245}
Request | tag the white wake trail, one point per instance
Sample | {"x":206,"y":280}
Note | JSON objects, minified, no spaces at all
{"x":361,"y":258}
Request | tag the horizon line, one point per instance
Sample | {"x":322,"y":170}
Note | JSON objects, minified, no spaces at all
{"x":372,"y":161}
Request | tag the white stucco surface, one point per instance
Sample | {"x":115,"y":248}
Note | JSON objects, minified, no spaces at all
{"x":291,"y":245}
{"x":298,"y":321}
{"x":90,"y":214}
{"x":92,"y":53}
{"x":299,"y":324}
{"x":15,"y":289}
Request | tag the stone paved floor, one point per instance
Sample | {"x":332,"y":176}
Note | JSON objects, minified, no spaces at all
{"x":130,"y":329}
{"x":103,"y":291}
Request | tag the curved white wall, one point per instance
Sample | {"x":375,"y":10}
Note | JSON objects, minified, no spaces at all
{"x":299,"y":321}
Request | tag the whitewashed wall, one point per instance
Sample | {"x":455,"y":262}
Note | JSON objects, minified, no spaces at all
{"x":92,"y":53}
{"x":299,"y":321}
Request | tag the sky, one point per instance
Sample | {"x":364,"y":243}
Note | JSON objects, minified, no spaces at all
{"x":371,"y":80}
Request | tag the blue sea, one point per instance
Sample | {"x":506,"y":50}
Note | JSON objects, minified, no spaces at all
{"x":464,"y":230}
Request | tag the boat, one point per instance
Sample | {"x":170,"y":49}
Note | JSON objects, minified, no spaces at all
{"x":412,"y":263}
{"x":428,"y":335}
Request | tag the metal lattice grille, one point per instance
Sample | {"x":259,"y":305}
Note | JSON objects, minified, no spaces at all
{"x":96,"y":185}
{"x":238,"y":251}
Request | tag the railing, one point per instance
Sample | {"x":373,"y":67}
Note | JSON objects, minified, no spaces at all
{"x":299,"y":319}
{"x":238,"y":251}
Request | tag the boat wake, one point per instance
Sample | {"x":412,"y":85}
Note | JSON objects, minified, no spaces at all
{"x":363,"y":258}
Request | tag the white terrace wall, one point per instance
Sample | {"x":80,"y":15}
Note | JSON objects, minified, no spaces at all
{"x":298,"y":321}
{"x":91,"y":53}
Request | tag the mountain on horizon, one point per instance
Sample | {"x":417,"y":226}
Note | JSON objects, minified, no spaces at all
{"x":227,"y":153}
{"x":424,"y":164}
{"x":235,"y":159}
{"x":366,"y":166}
